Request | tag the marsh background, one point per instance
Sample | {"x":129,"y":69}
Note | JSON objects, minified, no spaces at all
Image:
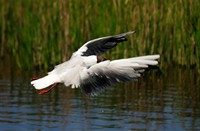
{"x":37,"y":35}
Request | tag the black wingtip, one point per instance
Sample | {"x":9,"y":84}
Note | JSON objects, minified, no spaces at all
{"x":121,"y":39}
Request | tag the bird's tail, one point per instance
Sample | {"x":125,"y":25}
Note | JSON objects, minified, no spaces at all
{"x":46,"y":81}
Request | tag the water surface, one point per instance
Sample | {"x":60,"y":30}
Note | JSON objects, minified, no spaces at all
{"x":167,"y":100}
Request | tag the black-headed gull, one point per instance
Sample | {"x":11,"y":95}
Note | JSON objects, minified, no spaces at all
{"x":91,"y":72}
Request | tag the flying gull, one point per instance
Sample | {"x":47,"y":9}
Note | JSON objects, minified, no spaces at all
{"x":92,"y":73}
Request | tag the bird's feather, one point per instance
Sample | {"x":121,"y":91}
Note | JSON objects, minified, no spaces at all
{"x":84,"y":71}
{"x":107,"y":73}
{"x":45,"y":81}
{"x":101,"y":45}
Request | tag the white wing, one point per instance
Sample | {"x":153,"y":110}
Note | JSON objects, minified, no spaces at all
{"x":107,"y":73}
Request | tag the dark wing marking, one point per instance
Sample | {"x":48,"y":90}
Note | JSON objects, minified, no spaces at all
{"x":96,"y":83}
{"x":101,"y":45}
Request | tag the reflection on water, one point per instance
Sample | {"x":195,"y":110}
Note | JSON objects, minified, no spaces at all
{"x":167,"y":101}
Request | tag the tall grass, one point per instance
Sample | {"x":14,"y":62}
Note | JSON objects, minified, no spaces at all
{"x":46,"y":32}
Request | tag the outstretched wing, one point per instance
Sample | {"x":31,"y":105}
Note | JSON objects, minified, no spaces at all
{"x":107,"y":73}
{"x":101,"y":45}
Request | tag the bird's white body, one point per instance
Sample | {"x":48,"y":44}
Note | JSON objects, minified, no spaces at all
{"x":83,"y":70}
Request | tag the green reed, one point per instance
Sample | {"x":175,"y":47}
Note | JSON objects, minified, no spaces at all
{"x":46,"y":32}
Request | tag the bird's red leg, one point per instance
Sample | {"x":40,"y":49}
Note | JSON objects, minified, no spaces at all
{"x":45,"y":90}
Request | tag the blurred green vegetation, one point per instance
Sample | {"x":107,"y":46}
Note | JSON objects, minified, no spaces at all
{"x":46,"y":32}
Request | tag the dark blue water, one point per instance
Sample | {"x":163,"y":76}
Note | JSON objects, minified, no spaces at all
{"x":160,"y":101}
